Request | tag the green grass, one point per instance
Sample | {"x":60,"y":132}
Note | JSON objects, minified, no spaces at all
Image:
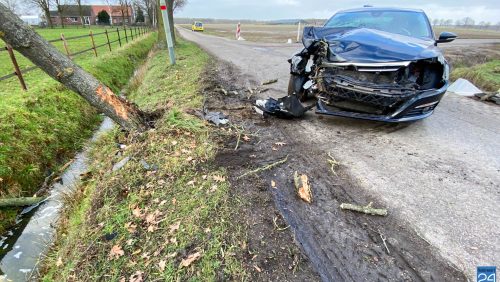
{"x":485,"y":76}
{"x":42,"y":128}
{"x":33,"y":78}
{"x":142,"y":208}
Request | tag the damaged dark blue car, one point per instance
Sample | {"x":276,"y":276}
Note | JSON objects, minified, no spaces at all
{"x":372,"y":63}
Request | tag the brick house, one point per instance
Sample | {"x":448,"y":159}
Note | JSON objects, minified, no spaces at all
{"x":71,"y":14}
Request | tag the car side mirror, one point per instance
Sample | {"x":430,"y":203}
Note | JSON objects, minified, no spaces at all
{"x":446,"y":37}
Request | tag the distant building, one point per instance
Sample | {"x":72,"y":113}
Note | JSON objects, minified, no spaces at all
{"x":31,"y":20}
{"x":71,"y":14}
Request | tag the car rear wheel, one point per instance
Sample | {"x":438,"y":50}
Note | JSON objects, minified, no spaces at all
{"x":295,"y":86}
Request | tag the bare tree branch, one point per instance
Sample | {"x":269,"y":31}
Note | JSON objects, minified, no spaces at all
{"x":44,"y":5}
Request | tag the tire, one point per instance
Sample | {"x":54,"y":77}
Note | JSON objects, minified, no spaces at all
{"x":295,"y":86}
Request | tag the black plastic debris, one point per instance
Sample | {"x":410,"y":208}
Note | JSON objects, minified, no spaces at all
{"x":285,"y":107}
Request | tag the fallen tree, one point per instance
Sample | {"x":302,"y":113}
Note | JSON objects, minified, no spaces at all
{"x":57,"y":65}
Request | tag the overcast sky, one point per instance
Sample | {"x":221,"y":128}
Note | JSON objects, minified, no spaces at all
{"x":479,"y":10}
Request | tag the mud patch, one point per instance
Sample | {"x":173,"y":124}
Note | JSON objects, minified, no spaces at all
{"x":338,"y":245}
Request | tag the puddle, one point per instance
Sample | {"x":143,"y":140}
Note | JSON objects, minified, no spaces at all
{"x":22,"y":246}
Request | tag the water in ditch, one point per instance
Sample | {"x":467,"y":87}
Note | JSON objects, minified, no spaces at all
{"x":23,"y":245}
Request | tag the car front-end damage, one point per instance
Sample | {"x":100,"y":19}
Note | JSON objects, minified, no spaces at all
{"x":369,"y":74}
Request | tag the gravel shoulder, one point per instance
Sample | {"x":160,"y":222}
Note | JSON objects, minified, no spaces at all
{"x":438,"y":178}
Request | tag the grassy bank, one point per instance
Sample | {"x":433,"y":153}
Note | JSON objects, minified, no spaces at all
{"x":165,"y":215}
{"x":485,"y":76}
{"x":42,"y":128}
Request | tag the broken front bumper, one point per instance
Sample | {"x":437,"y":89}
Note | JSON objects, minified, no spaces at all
{"x":418,"y":107}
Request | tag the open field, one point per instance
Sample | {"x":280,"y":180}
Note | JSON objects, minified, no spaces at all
{"x":281,"y":33}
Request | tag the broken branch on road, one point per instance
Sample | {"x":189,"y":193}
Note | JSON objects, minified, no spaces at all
{"x":264,"y":168}
{"x":368,"y":209}
{"x":333,"y":163}
{"x":271,"y":81}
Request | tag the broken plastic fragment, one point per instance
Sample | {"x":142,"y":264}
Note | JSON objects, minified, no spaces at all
{"x":216,"y":118}
{"x":464,"y":87}
{"x":148,"y":167}
{"x":285,"y":107}
{"x":121,"y":164}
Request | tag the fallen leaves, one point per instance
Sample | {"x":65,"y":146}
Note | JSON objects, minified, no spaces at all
{"x":219,"y":178}
{"x":136,"y":277}
{"x":161,"y":265}
{"x":131,"y":228}
{"x":137,"y":212}
{"x":303,"y":187}
{"x":116,"y":252}
{"x":190,"y":259}
{"x":174,"y":227}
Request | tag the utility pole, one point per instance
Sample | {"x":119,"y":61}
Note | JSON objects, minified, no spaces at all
{"x":168,"y":34}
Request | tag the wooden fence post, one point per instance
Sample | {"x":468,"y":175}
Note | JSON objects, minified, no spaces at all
{"x":16,"y":67}
{"x":132,"y":33}
{"x":107,"y":37}
{"x":65,"y":44}
{"x":126,"y":37}
{"x":119,"y":39}
{"x":93,"y":43}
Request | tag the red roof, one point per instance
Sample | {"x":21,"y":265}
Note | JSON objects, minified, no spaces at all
{"x":113,"y":11}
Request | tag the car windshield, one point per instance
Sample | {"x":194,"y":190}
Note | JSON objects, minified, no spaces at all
{"x":408,"y":23}
{"x":199,"y":24}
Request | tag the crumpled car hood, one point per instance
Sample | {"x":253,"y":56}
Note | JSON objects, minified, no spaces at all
{"x":364,"y":45}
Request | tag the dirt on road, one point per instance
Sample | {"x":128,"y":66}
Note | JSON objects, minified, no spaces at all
{"x":438,"y":178}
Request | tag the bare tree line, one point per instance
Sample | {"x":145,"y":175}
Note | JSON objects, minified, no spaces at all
{"x":149,"y":7}
{"x":466,"y":22}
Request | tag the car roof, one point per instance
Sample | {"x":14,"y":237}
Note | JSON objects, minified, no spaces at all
{"x":365,"y":9}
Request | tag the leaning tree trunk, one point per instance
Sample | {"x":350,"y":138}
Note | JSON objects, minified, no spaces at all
{"x":27,"y":42}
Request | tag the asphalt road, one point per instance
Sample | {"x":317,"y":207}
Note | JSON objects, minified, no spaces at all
{"x":439,"y":176}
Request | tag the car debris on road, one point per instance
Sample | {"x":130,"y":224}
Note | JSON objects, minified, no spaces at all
{"x":285,"y":107}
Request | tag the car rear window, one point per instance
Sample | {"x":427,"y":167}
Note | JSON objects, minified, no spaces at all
{"x":408,"y":23}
